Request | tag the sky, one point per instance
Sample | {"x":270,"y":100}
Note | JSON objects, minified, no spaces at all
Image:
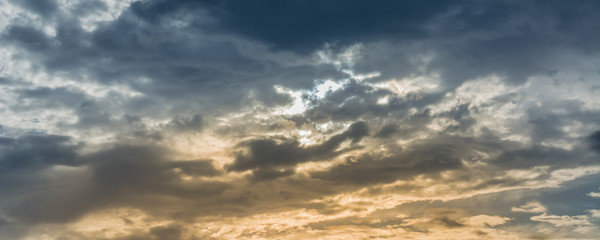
{"x":312,"y":119}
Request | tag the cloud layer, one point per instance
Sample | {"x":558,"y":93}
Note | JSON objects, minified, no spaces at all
{"x":176,"y":119}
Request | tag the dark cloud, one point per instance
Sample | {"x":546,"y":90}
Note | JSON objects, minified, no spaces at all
{"x":112,"y":177}
{"x":595,"y":140}
{"x":35,"y":151}
{"x":183,"y":67}
{"x":474,"y":39}
{"x":302,"y":25}
{"x":357,"y":100}
{"x":531,"y":157}
{"x":266,"y":155}
{"x":90,"y":114}
{"x":184,"y":64}
{"x":461,"y":114}
{"x":88,"y":7}
{"x":448,"y":152}
{"x":387,"y":131}
{"x":140,"y":168}
{"x":28,"y":37}
{"x":427,"y":158}
{"x":500,"y":37}
{"x":4,"y":141}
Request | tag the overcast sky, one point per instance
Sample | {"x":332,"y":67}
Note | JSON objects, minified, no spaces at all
{"x":174,"y":119}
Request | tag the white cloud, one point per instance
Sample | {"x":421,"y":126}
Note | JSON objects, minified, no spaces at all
{"x":594,"y":194}
{"x":595,"y":213}
{"x":581,"y":222}
{"x":530,"y":207}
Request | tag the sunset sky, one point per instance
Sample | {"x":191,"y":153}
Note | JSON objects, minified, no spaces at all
{"x":299,"y":119}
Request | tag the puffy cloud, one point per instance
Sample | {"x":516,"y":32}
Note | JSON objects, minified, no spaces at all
{"x":594,"y":194}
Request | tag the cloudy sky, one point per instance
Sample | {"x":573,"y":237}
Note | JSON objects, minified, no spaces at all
{"x":174,"y":119}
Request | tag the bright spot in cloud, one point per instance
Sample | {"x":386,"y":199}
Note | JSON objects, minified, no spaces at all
{"x":383,"y":100}
{"x":327,"y":87}
{"x":301,"y":97}
{"x":402,"y":87}
{"x":298,"y":106}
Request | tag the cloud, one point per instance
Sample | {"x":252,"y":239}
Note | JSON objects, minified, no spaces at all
{"x":44,"y":8}
{"x":595,"y":140}
{"x":186,"y":119}
{"x":595,"y":213}
{"x":581,"y":222}
{"x":594,"y":194}
{"x":110,"y":177}
{"x":430,"y":158}
{"x":266,"y":155}
{"x":328,"y":23}
{"x":530,"y":207}
{"x":31,"y":152}
{"x":186,"y":124}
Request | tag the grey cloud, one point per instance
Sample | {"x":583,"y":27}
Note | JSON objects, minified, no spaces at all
{"x":91,"y":114}
{"x":428,"y":158}
{"x":4,"y":141}
{"x":28,"y":37}
{"x":386,"y":131}
{"x":328,"y":22}
{"x":595,"y":140}
{"x":146,"y":170}
{"x":90,"y":6}
{"x":118,"y":176}
{"x":3,"y":80}
{"x":162,"y":232}
{"x":357,"y":100}
{"x":548,"y":121}
{"x":347,"y":104}
{"x":449,"y":218}
{"x":469,"y":40}
{"x":448,"y":152}
{"x":522,"y":158}
{"x":44,"y":8}
{"x":33,"y":151}
{"x":515,"y":39}
{"x":45,"y":97}
{"x":186,"y":68}
{"x":170,"y":231}
{"x":186,"y":124}
{"x":266,"y":155}
{"x":461,"y":115}
{"x":114,"y":56}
